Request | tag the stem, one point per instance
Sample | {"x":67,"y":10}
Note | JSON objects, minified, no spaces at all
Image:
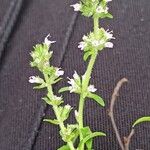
{"x":87,"y":79}
{"x":56,"y":111}
{"x":128,"y":139}
{"x":96,"y":24}
{"x":111,"y":113}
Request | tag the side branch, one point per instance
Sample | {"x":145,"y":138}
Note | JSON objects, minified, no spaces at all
{"x":111,"y":113}
{"x":127,"y":140}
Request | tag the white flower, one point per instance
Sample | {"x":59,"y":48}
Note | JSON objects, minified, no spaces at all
{"x":57,"y":98}
{"x":109,"y":44}
{"x":59,"y":72}
{"x":109,"y":34}
{"x":76,"y":6}
{"x":73,"y":86}
{"x":91,"y":88}
{"x":76,"y":113}
{"x":108,"y":0}
{"x":100,"y":9}
{"x":75,"y":75}
{"x":34,"y":79}
{"x":68,"y":107}
{"x":96,"y":43}
{"x":47,"y":41}
{"x":71,"y":82}
{"x":84,"y":37}
{"x":82,"y":45}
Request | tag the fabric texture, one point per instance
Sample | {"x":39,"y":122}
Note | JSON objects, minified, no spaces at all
{"x":21,"y":107}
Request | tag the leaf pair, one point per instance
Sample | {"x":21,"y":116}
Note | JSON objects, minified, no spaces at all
{"x":88,"y":138}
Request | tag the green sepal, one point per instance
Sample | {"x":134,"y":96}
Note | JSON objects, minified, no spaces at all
{"x":97,"y":98}
{"x":65,"y":113}
{"x":91,"y":136}
{"x":71,"y":133}
{"x":141,"y":120}
{"x":51,"y":121}
{"x":64,"y":89}
{"x":65,"y":147}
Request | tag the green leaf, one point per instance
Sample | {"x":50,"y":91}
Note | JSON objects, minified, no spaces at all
{"x":48,"y":101}
{"x":57,"y":80}
{"x":97,"y":98}
{"x":86,"y":55}
{"x":64,"y":89}
{"x":85,"y":132}
{"x":40,"y":86}
{"x":51,"y":121}
{"x":141,"y":120}
{"x":109,"y":15}
{"x":92,"y":135}
{"x":65,"y":113}
{"x":65,"y":147}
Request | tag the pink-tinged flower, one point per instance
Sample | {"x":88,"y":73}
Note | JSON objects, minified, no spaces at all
{"x":91,"y":88}
{"x":76,"y":6}
{"x":47,"y":41}
{"x":109,"y":44}
{"x":109,"y":34}
{"x":34,"y":79}
{"x":59,"y":72}
{"x":82,"y":45}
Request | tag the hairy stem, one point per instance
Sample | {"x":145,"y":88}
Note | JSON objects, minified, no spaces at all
{"x":56,"y":111}
{"x":86,"y":80}
{"x":111,"y":110}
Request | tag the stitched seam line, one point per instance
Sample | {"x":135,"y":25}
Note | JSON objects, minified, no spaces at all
{"x":8,"y":23}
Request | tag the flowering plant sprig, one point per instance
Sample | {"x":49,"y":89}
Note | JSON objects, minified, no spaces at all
{"x":76,"y":136}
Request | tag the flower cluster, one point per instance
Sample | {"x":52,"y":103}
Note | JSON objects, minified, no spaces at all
{"x":98,"y":41}
{"x":93,"y":8}
{"x":41,"y":54}
{"x":76,"y":84}
{"x":94,"y":42}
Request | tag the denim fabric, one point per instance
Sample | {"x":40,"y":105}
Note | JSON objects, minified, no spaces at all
{"x":21,"y":107}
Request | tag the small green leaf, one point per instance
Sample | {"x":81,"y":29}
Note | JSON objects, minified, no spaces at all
{"x":92,"y":135}
{"x":51,"y":121}
{"x":64,"y":89}
{"x":85,"y":132}
{"x":65,"y":147}
{"x":86,"y":55}
{"x":109,"y":15}
{"x":57,"y":80}
{"x":97,"y":98}
{"x":48,"y":101}
{"x":141,"y":120}
{"x":39,"y":86}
